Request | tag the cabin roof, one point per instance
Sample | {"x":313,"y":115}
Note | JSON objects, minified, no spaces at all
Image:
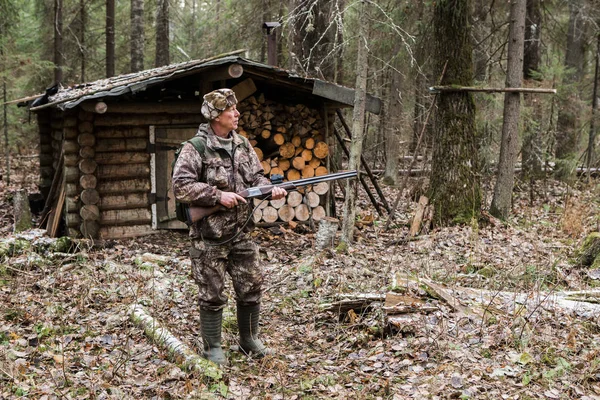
{"x":70,"y":97}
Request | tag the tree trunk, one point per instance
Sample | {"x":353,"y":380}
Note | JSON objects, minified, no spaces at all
{"x":422,"y":78}
{"x":137,"y":35}
{"x":58,"y":42}
{"x":531,"y":153}
{"x":567,"y":132}
{"x":593,"y":123}
{"x":454,"y":186}
{"x":3,"y":38}
{"x":338,"y":42}
{"x":313,"y":38}
{"x":505,"y":178}
{"x":480,"y":36}
{"x":5,"y":122}
{"x":110,"y":38}
{"x":358,"y":118}
{"x":83,"y":22}
{"x":162,"y":34}
{"x":391,"y":117}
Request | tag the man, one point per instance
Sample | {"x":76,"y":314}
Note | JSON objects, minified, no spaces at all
{"x":225,"y":165}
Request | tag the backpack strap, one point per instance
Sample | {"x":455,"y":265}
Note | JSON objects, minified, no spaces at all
{"x":198,"y":144}
{"x":182,"y":209}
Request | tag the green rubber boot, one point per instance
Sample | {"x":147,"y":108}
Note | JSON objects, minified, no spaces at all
{"x":250,"y":344}
{"x":210,"y":326}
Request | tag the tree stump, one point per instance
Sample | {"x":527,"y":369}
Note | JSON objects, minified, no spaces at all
{"x":589,"y":251}
{"x":22,"y":212}
{"x":325,"y":236}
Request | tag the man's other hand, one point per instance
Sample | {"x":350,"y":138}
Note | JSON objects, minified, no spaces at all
{"x":278,"y":193}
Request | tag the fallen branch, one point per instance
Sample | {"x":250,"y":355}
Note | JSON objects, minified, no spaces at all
{"x":178,"y":351}
{"x":442,"y":293}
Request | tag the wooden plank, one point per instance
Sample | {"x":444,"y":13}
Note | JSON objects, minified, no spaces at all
{"x":244,"y":89}
{"x":344,"y":95}
{"x":57,"y":210}
{"x":415,"y":227}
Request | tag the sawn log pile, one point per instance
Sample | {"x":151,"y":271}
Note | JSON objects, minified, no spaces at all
{"x":289,"y":141}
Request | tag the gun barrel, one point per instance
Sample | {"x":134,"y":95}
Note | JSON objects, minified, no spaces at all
{"x":323,"y":178}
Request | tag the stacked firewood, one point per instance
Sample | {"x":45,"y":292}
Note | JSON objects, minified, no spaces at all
{"x":289,"y":141}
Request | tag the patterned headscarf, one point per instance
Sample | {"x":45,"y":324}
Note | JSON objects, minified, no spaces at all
{"x":216,"y":102}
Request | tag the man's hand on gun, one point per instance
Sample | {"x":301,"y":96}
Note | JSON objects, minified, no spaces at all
{"x":231,"y":199}
{"x":278,"y":193}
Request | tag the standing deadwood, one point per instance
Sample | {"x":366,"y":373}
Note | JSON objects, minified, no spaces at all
{"x":59,"y":60}
{"x":110,"y":38}
{"x":162,"y":34}
{"x":567,"y":132}
{"x":358,"y":118}
{"x":505,"y":178}
{"x":454,"y":186}
{"x":22,"y":212}
{"x":137,"y":35}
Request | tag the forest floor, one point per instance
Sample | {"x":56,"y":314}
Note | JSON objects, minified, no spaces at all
{"x":66,"y":332}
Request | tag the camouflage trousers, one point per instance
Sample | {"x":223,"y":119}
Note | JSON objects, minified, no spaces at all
{"x":239,"y":259}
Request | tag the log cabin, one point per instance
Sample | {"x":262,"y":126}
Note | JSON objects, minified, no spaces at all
{"x":106,"y":147}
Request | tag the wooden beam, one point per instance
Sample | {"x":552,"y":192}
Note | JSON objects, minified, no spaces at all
{"x":181,"y":107}
{"x":231,"y":71}
{"x":439,"y":89}
{"x":344,"y":95}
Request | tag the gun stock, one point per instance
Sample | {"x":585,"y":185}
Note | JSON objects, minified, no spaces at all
{"x":195,"y":214}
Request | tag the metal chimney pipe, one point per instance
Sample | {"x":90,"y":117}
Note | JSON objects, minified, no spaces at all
{"x":269,"y":27}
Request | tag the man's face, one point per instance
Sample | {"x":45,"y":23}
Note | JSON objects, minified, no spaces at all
{"x":228,"y":119}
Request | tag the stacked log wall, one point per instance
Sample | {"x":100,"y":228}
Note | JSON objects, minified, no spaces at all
{"x":123,"y":179}
{"x":70,"y":150}
{"x":86,"y":218}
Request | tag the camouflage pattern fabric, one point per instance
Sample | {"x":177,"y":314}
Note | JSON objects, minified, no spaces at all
{"x":239,"y":259}
{"x":216,"y":102}
{"x":199,"y":180}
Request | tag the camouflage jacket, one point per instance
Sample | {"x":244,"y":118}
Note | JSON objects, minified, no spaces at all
{"x":199,"y":179}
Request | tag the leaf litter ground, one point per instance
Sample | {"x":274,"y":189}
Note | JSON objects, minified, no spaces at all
{"x":65,"y":331}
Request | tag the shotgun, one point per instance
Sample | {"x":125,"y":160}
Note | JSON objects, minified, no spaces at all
{"x":194,"y":213}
